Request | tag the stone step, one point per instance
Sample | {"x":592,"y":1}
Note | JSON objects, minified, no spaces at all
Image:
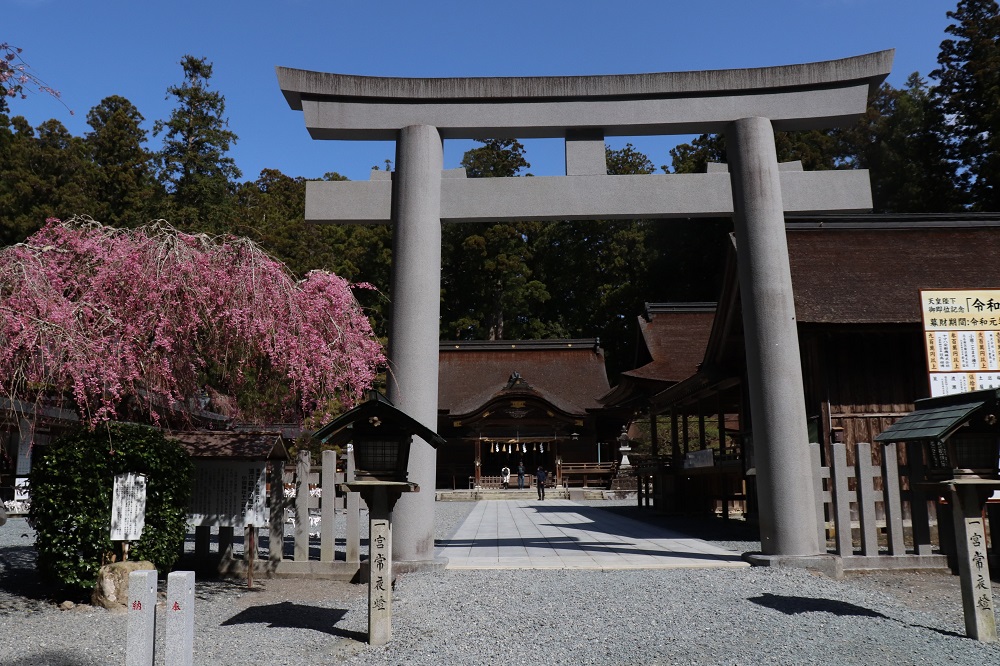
{"x":494,"y":494}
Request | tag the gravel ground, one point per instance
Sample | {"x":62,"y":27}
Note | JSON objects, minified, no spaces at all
{"x":709,"y":616}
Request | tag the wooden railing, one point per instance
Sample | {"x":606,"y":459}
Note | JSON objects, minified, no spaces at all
{"x":872,"y":497}
{"x":583,"y":473}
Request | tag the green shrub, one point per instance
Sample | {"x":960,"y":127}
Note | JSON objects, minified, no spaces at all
{"x":72,"y":483}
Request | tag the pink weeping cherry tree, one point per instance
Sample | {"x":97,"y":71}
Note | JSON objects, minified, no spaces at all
{"x":141,"y":323}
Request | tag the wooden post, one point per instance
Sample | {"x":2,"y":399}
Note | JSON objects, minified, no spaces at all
{"x":225,"y":545}
{"x":918,"y":501}
{"x":276,"y":525}
{"x":654,"y":439}
{"x":702,"y":440}
{"x":675,"y":443}
{"x":202,"y":542}
{"x":722,"y":427}
{"x":684,"y":423}
{"x":249,"y":551}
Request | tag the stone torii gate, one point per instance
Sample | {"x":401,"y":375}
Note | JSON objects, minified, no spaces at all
{"x":747,"y":105}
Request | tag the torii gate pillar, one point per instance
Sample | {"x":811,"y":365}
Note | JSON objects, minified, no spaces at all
{"x":413,"y":328}
{"x":777,"y":406}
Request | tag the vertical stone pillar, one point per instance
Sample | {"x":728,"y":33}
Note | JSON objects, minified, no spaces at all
{"x":140,"y":631}
{"x":413,"y":328}
{"x":379,"y":569}
{"x":777,"y":402}
{"x":180,"y":619}
{"x":973,"y":560}
{"x":352,"y":547}
{"x":327,"y":503}
{"x":302,"y":467}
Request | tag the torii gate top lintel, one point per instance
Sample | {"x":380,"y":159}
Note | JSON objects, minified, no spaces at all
{"x":800,"y":96}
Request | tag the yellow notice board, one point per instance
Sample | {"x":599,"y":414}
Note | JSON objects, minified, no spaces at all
{"x":962,"y":339}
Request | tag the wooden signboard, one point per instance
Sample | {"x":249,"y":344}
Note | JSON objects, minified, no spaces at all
{"x":962,"y":339}
{"x":229,"y":493}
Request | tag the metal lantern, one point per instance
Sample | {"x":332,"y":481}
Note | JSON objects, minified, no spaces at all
{"x":384,"y":458}
{"x":959,"y":434}
{"x":965,"y":454}
{"x":381,"y":435}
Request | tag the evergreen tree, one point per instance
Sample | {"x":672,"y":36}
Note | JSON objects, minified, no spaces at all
{"x":487,"y":282}
{"x":816,"y":149}
{"x":124,"y":189}
{"x":194,"y":165}
{"x":969,"y":88}
{"x":902,"y":141}
{"x":44,"y":172}
{"x":598,"y":271}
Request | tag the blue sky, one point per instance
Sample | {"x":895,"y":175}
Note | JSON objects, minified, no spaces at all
{"x":89,"y":50}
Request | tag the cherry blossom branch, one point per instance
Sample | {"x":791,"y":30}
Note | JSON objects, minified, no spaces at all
{"x":105,"y":320}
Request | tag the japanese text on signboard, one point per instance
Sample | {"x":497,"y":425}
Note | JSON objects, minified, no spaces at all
{"x":962,"y":339}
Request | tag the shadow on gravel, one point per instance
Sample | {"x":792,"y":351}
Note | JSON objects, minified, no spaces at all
{"x":60,"y":658}
{"x":19,"y":575}
{"x":795,"y":605}
{"x":289,"y":615}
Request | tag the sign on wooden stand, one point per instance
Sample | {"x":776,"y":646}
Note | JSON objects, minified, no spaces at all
{"x":128,"y":509}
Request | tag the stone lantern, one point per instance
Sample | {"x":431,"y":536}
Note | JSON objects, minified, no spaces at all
{"x":381,"y":435}
{"x":624,"y":448}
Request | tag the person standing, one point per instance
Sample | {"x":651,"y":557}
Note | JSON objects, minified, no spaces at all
{"x":505,"y":477}
{"x":520,"y":475}
{"x":540,"y":476}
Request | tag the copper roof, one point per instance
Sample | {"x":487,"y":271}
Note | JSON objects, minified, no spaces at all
{"x":570,"y":374}
{"x":231,"y":445}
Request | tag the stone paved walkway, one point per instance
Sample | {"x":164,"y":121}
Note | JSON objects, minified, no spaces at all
{"x":561,"y":534}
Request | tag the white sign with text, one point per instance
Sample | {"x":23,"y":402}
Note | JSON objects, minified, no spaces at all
{"x":128,"y":507}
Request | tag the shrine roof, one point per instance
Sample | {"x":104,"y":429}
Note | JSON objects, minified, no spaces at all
{"x":230,"y":445}
{"x":868,"y":269}
{"x":569,"y":374}
{"x":674,"y":335}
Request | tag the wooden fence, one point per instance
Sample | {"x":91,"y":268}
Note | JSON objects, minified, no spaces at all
{"x":875,"y":499}
{"x":313,"y":506}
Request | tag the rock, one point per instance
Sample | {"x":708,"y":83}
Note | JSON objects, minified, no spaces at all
{"x":67,"y":605}
{"x":111,"y":589}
